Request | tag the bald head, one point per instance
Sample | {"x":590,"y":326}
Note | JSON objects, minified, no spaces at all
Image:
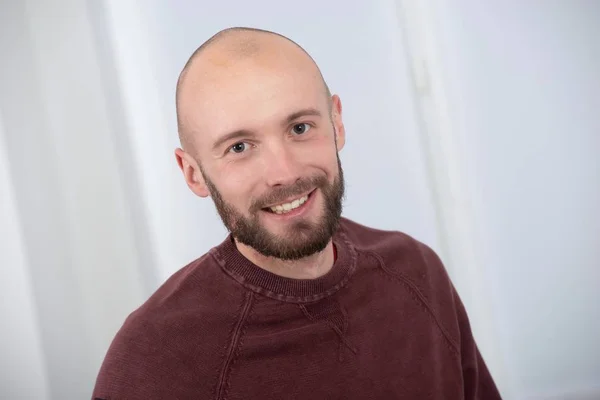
{"x":229,"y":52}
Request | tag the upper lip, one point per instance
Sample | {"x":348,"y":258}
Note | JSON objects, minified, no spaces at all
{"x":290,"y":199}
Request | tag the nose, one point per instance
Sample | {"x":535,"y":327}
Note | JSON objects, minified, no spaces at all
{"x":281,"y":166}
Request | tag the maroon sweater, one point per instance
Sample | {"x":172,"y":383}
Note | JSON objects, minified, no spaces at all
{"x":384,"y":323}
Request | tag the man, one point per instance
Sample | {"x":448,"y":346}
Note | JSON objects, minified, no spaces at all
{"x":298,"y":302}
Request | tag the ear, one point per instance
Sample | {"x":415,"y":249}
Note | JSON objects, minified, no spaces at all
{"x":191,"y":173}
{"x":336,"y":117}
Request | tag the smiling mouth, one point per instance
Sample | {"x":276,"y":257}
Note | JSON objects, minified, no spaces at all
{"x":285,"y":208}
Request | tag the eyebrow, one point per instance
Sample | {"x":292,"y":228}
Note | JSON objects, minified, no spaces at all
{"x":302,"y":113}
{"x":245,"y":133}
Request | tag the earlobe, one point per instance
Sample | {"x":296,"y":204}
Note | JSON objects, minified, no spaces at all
{"x":191,"y":173}
{"x":199,"y":188}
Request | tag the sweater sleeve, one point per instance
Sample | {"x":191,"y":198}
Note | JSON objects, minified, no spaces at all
{"x":477,"y":380}
{"x":478,"y":383}
{"x":128,"y":370}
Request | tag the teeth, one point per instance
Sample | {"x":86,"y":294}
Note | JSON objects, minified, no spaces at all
{"x":287,"y":207}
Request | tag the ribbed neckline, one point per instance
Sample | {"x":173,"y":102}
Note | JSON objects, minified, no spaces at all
{"x":285,"y":289}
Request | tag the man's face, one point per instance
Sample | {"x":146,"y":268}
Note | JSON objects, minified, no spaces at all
{"x":266,"y":147}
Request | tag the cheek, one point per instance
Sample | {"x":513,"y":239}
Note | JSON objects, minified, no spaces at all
{"x":239,"y":188}
{"x":328,"y":158}
{"x":321,"y":152}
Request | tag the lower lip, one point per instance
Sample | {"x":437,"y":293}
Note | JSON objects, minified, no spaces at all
{"x":296,"y":212}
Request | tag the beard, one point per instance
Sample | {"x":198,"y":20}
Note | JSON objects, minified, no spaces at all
{"x":303,"y":238}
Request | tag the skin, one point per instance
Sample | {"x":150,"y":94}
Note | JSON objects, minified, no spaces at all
{"x":271,"y":93}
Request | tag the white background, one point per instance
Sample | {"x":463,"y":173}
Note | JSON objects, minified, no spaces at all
{"x":470,"y":125}
{"x":526,"y":84}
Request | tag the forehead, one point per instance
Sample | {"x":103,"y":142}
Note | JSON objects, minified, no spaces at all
{"x":222,"y":95}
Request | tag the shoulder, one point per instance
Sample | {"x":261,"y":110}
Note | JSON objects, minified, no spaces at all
{"x":198,"y":290}
{"x":366,"y":238}
{"x":169,"y":328}
{"x":400,"y":252}
{"x":401,"y":255}
{"x":412,"y":264}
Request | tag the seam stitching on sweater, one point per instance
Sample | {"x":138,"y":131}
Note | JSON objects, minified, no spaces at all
{"x":231,"y":351}
{"x":336,"y":329}
{"x":415,"y":290}
{"x":240,"y":345}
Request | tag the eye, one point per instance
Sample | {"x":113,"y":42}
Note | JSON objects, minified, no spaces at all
{"x":300,"y":129}
{"x":239,"y":147}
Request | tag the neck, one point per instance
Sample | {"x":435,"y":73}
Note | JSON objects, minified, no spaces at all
{"x":310,"y":267}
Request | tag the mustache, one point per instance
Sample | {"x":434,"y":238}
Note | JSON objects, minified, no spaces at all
{"x":279,"y":194}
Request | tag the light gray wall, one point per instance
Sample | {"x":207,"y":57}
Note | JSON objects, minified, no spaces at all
{"x":525,"y":92}
{"x":80,"y":273}
{"x":22,"y":371}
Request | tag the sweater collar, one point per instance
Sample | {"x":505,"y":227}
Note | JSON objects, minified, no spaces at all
{"x":282,"y":288}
